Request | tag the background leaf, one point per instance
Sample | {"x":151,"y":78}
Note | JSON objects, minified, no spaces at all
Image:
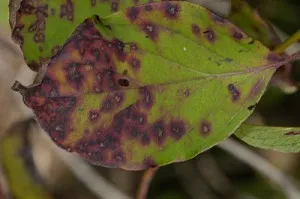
{"x":16,"y":156}
{"x":283,"y":139}
{"x":140,"y":88}
{"x":249,"y":20}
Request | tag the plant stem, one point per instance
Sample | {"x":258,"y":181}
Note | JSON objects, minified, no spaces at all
{"x":293,"y":39}
{"x":145,"y":183}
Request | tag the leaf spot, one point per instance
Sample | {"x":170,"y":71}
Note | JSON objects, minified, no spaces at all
{"x":205,"y":128}
{"x":235,"y":93}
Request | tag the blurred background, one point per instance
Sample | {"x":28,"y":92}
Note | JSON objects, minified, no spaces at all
{"x":32,"y":167}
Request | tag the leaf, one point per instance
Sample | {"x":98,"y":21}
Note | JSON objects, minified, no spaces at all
{"x":42,"y":26}
{"x":155,"y":84}
{"x":249,"y":20}
{"x":23,"y":179}
{"x":282,"y":139}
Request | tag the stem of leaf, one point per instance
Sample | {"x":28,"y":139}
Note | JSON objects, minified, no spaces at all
{"x":293,"y":39}
{"x":145,"y":183}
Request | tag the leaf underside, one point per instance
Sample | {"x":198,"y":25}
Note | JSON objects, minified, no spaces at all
{"x":155,"y":84}
{"x":282,"y":139}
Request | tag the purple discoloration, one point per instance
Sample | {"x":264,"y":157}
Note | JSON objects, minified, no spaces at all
{"x":177,"y":129}
{"x":237,"y":35}
{"x":210,"y":35}
{"x":195,"y":29}
{"x":148,"y":8}
{"x":135,"y":63}
{"x":149,"y":163}
{"x":146,"y":99}
{"x":235,"y":93}
{"x":151,"y":30}
{"x":256,"y":88}
{"x":171,"y":10}
{"x":133,"y":13}
{"x":93,"y":116}
{"x":158,"y":133}
{"x":114,"y":6}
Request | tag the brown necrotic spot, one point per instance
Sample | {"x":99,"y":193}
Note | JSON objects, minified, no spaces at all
{"x":171,"y":10}
{"x":145,"y":139}
{"x":151,"y":30}
{"x":133,"y":13}
{"x":235,"y":93}
{"x":195,"y":29}
{"x":148,"y":8}
{"x":158,"y":133}
{"x":67,"y":10}
{"x":118,"y":156}
{"x":39,"y":37}
{"x":94,"y":116}
{"x":133,"y":47}
{"x":292,"y":133}
{"x":177,"y":129}
{"x":187,"y":92}
{"x":237,"y":35}
{"x":114,"y":6}
{"x":205,"y":128}
{"x":210,"y":35}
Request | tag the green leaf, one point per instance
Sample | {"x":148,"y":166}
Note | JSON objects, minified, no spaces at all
{"x":16,"y":157}
{"x":283,"y":139}
{"x":249,"y":20}
{"x":155,"y":84}
{"x":43,"y":26}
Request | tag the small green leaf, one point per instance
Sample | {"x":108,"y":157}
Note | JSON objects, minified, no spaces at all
{"x":283,"y":139}
{"x":155,"y":84}
{"x":16,"y":157}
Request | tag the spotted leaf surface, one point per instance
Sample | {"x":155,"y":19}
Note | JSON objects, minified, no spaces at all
{"x":282,"y":139}
{"x":152,"y":85}
{"x":42,"y":26}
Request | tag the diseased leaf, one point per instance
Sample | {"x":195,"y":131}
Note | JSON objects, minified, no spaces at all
{"x":249,"y":20}
{"x":282,"y":139}
{"x":155,"y":84}
{"x":42,"y":26}
{"x":16,"y":156}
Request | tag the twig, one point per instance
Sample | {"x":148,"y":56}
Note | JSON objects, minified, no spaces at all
{"x":262,"y":166}
{"x":291,"y":40}
{"x":145,"y":183}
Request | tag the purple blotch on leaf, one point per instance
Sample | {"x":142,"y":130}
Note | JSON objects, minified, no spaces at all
{"x":235,"y":93}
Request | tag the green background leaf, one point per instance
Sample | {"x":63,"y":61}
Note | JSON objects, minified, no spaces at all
{"x":283,"y":139}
